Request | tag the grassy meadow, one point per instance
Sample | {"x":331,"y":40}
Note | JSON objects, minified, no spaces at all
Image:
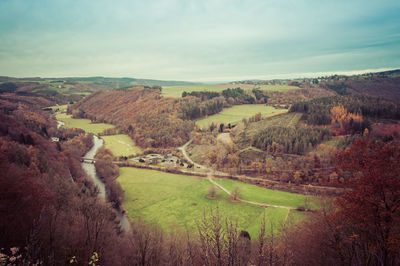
{"x":121,"y":145}
{"x":176,"y":91}
{"x":262,"y":195}
{"x":171,"y":200}
{"x":84,"y":124}
{"x":237,"y":113}
{"x":59,"y":108}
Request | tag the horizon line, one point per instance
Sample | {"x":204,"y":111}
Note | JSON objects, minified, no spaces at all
{"x":281,"y":76}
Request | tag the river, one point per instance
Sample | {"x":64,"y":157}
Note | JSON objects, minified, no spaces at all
{"x":91,"y":172}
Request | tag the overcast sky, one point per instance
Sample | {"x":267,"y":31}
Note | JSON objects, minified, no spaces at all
{"x":197,"y":40}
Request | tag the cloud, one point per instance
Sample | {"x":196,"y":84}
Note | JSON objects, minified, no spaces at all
{"x":176,"y":39}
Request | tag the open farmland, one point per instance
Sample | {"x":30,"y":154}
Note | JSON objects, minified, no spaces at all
{"x":176,"y":91}
{"x":84,"y":124}
{"x":121,"y":145}
{"x":237,"y":113}
{"x":170,"y":199}
{"x":262,"y":195}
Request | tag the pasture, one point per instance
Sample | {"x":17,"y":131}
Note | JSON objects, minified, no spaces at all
{"x":176,"y":91}
{"x":84,"y":124}
{"x":262,"y":195}
{"x":171,"y":200}
{"x":59,"y":108}
{"x":121,"y":145}
{"x":237,"y":112}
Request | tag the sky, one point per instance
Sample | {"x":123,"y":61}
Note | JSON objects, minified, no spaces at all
{"x":197,"y":40}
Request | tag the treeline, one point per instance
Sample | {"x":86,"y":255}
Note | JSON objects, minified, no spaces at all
{"x":193,"y":109}
{"x":149,"y":119}
{"x":317,"y":111}
{"x":289,"y":140}
{"x":205,"y":103}
{"x":231,"y":95}
{"x":238,"y":95}
{"x":277,"y":98}
{"x":108,"y":172}
{"x":203,"y":95}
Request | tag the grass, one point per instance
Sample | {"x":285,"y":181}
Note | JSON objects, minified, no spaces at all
{"x":277,"y":87}
{"x":121,"y":145}
{"x":262,"y":195}
{"x":84,"y":124}
{"x":176,"y":91}
{"x":237,"y":113}
{"x":59,"y":108}
{"x":170,"y":200}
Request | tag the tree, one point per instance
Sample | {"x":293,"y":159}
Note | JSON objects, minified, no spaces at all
{"x":297,"y":177}
{"x":235,"y":193}
{"x":212,"y":192}
{"x":221,"y":128}
{"x":371,"y":208}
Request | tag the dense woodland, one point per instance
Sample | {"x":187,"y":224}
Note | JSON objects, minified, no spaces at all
{"x":196,"y":108}
{"x":317,"y":111}
{"x":289,"y":140}
{"x":138,"y":112}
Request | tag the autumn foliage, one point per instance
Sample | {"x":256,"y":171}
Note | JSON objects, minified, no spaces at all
{"x":372,"y":207}
{"x":362,"y":227}
{"x":152,"y":121}
{"x":344,"y":122}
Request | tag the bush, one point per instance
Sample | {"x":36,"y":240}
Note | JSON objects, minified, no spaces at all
{"x":235,"y":193}
{"x":212,"y":192}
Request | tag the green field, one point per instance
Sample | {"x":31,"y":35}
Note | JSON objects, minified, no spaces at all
{"x":237,"y":112}
{"x":276,"y":87}
{"x":121,"y":145}
{"x":176,"y":91}
{"x":177,"y":200}
{"x":59,"y":108}
{"x":84,"y":124}
{"x":262,"y":195}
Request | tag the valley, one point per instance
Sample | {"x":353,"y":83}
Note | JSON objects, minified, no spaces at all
{"x":178,"y":200}
{"x":262,"y":163}
{"x":200,"y":133}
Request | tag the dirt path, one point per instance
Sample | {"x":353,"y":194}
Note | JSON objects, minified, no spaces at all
{"x":183,"y":150}
{"x":209,"y":178}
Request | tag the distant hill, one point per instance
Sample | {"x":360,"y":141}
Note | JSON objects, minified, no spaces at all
{"x":382,"y":84}
{"x":71,"y":89}
{"x":122,"y":81}
{"x":134,"y":81}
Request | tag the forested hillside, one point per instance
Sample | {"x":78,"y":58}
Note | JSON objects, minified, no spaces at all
{"x":152,"y":121}
{"x":317,"y":111}
{"x":45,"y":196}
{"x":383,"y":84}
